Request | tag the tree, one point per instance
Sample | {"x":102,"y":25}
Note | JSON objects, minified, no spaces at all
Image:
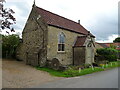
{"x":117,"y":39}
{"x":9,"y":45}
{"x":6,"y":18}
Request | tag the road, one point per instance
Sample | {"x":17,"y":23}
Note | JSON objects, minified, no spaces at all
{"x":104,"y":79}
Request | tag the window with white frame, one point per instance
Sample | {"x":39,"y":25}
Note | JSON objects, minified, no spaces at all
{"x":61,"y":42}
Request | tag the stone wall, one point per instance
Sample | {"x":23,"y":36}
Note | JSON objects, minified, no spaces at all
{"x":66,"y":57}
{"x":40,"y":42}
{"x":89,"y":55}
{"x":89,"y":51}
{"x":20,"y":54}
{"x":34,"y":41}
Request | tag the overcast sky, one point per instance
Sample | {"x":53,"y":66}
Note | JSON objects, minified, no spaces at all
{"x":100,"y":17}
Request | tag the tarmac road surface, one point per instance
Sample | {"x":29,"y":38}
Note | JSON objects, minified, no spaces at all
{"x":104,"y":79}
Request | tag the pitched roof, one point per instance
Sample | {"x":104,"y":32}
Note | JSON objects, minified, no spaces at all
{"x":103,"y":45}
{"x":106,"y":45}
{"x":61,"y":22}
{"x":115,"y":44}
{"x":80,"y":41}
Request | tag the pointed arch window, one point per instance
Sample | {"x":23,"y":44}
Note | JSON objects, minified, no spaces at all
{"x":61,"y":42}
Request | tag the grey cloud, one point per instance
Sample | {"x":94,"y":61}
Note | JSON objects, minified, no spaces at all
{"x":20,"y":21}
{"x":104,"y":27}
{"x":106,"y":23}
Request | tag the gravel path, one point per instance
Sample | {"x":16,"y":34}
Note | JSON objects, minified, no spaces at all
{"x":15,"y":74}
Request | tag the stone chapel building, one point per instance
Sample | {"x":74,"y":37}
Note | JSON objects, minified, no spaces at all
{"x":48,"y":37}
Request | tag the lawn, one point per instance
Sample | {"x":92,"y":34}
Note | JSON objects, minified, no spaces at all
{"x":72,"y":73}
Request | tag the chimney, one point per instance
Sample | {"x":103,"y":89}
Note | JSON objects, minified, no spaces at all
{"x":79,"y":21}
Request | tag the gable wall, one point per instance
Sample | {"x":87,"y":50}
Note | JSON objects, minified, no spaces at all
{"x":89,"y":54}
{"x":34,"y":41}
{"x":52,"y":47}
{"x":89,"y":51}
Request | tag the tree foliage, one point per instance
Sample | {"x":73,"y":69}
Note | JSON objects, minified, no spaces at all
{"x":9,"y":45}
{"x":109,"y":54}
{"x":117,"y":39}
{"x":6,"y":18}
{"x":113,"y":46}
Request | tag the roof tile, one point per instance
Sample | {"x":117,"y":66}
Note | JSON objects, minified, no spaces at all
{"x":80,"y":41}
{"x":59,"y":21}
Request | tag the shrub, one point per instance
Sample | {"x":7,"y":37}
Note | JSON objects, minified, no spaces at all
{"x":109,"y":54}
{"x":118,"y":54}
{"x":9,"y":45}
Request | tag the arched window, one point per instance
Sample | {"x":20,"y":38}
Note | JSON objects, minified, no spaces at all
{"x":61,"y":42}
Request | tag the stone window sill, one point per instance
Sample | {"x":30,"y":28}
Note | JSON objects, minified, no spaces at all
{"x":61,"y":52}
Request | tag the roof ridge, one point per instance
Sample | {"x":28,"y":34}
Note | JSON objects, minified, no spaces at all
{"x":59,"y":16}
{"x":63,"y":22}
{"x":107,"y":43}
{"x":82,"y":36}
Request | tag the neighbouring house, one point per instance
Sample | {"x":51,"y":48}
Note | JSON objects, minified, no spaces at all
{"x":107,"y":45}
{"x":100,"y":45}
{"x":117,"y":45}
{"x":55,"y":40}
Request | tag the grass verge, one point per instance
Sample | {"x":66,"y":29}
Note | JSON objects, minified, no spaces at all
{"x":72,"y":73}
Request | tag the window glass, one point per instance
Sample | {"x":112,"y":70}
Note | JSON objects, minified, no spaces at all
{"x":61,"y":38}
{"x":61,"y":42}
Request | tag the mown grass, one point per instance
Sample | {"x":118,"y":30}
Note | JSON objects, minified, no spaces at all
{"x":111,"y":65}
{"x":51,"y":71}
{"x":72,"y":73}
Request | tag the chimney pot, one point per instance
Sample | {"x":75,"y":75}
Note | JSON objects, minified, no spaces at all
{"x":79,"y":21}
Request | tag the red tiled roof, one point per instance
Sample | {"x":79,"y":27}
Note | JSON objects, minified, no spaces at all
{"x":80,"y":41}
{"x":61,"y":22}
{"x":108,"y":45}
{"x":115,"y":44}
{"x":103,"y":45}
{"x":118,"y":48}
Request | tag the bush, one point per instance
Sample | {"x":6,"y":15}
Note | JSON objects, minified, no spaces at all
{"x":118,"y":54}
{"x":9,"y":45}
{"x":109,"y":54}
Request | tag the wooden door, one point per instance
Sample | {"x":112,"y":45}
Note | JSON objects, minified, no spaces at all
{"x":78,"y":55}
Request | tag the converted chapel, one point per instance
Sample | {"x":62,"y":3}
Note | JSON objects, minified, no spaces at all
{"x":53,"y":40}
